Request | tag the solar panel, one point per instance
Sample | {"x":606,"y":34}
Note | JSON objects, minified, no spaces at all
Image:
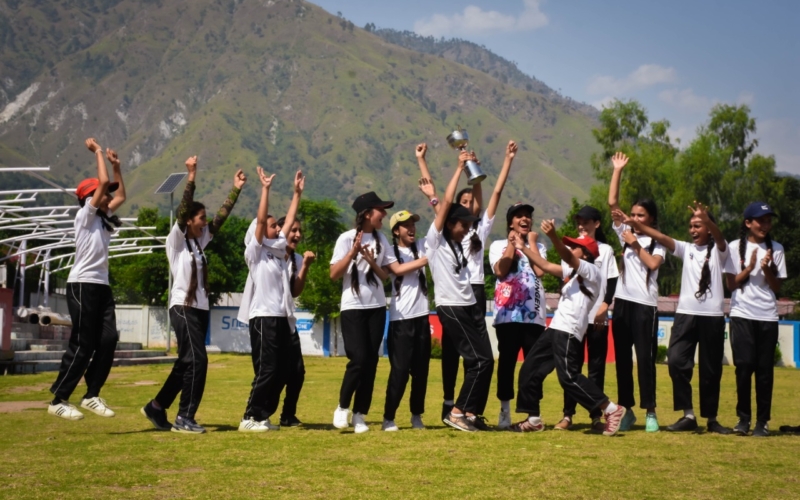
{"x":170,"y":183}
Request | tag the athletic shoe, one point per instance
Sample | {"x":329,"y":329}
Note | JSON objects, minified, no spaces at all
{"x":459,"y":423}
{"x":627,"y":421}
{"x":564,"y":425}
{"x":761,"y":429}
{"x":269,"y":425}
{"x":527,"y":426}
{"x":742,"y":427}
{"x":683,"y":424}
{"x":359,"y":424}
{"x":614,"y":421}
{"x":290,"y":422}
{"x":156,"y":417}
{"x":504,"y":422}
{"x":340,"y":417}
{"x":446,"y":409}
{"x":790,"y":429}
{"x":479,"y":422}
{"x":717,"y":428}
{"x":389,"y":426}
{"x":651,"y":423}
{"x":252,"y":425}
{"x":187,"y":425}
{"x":98,"y":406}
{"x":416,"y":422}
{"x":65,"y":411}
{"x":598,"y":426}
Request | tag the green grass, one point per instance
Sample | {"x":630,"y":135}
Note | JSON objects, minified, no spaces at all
{"x":123,"y":457}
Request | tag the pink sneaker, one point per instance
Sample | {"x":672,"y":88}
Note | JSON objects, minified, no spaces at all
{"x":613,"y":420}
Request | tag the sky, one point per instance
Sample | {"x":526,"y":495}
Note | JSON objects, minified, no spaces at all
{"x":677,"y":58}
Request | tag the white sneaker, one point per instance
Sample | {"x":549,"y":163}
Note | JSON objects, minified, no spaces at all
{"x":65,"y":411}
{"x":416,"y":422}
{"x":504,"y":422}
{"x":98,"y":406}
{"x":359,"y":424}
{"x":340,"y":417}
{"x":389,"y":426}
{"x":251,"y":425}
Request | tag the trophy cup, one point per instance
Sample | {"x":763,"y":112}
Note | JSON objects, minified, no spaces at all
{"x":459,"y":140}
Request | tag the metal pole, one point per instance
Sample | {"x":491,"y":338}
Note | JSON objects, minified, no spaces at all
{"x":169,"y":273}
{"x":23,"y":246}
{"x":47,"y":280}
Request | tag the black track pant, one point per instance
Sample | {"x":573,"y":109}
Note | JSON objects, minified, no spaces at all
{"x":511,"y":337}
{"x":472,"y":343}
{"x":563,"y":352}
{"x":188,"y":375}
{"x":753,"y":343}
{"x":409,"y":355}
{"x":270,"y":340}
{"x":450,"y":351}
{"x":92,"y":341}
{"x":295,"y":375}
{"x":362,"y":331}
{"x":636,"y":325}
{"x":687,"y":331}
{"x":596,"y":342}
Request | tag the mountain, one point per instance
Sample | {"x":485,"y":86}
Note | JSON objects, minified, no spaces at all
{"x":283,"y":84}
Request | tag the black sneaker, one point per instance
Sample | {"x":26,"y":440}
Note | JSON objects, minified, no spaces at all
{"x":683,"y":424}
{"x":742,"y":428}
{"x":156,"y":417}
{"x":790,"y":429}
{"x":187,"y":425}
{"x":717,"y":428}
{"x":460,"y":423}
{"x":290,"y":422}
{"x":479,"y":422}
{"x":761,"y":429}
{"x":446,"y":409}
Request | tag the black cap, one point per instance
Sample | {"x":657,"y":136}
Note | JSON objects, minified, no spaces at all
{"x":516,"y":207}
{"x":460,"y":212}
{"x":589,"y":213}
{"x":370,"y":200}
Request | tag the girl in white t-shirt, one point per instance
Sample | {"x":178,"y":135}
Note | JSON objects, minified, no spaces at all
{"x":635,"y":323}
{"x":700,"y":317}
{"x":409,"y":337}
{"x":94,"y":336}
{"x":759,"y":266}
{"x":271,"y":309}
{"x":520,"y":306}
{"x":560,"y":347}
{"x":359,"y":257}
{"x":189,"y":305}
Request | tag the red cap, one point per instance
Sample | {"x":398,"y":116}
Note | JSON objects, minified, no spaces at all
{"x":584,"y":242}
{"x":88,"y":186}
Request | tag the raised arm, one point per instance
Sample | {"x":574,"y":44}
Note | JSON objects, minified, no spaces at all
{"x":619,"y":160}
{"x":646,"y":230}
{"x":652,"y":262}
{"x":102,"y":171}
{"x":477,"y":192}
{"x":263,"y":205}
{"x":494,"y":201}
{"x":188,"y":193}
{"x":426,"y":181}
{"x":225,"y":210}
{"x":549,"y":228}
{"x":119,"y":194}
{"x":291,"y":215}
{"x":701,"y":212}
{"x":300,"y":279}
{"x":535,"y":259}
{"x":446,"y":202}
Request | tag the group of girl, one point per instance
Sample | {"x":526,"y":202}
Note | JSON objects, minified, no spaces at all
{"x":453,"y":249}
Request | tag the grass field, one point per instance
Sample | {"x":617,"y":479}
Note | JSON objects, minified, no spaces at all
{"x":123,"y":457}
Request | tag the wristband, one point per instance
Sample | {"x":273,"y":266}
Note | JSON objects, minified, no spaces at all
{"x":434,"y":201}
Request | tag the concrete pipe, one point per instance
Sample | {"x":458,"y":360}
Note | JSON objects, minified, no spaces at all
{"x":51,"y":318}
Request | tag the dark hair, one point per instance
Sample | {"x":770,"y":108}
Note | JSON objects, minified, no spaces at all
{"x":371,"y":280}
{"x":584,"y":290}
{"x":398,"y":280}
{"x":462,"y":193}
{"x":705,"y":274}
{"x":290,"y":253}
{"x":195,"y":209}
{"x":107,"y":220}
{"x":744,"y":231}
{"x":459,"y":263}
{"x":652,"y":210}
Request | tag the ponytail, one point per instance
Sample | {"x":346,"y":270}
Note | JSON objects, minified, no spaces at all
{"x":705,"y":274}
{"x":582,"y":287}
{"x":460,"y":263}
{"x":192,"y":291}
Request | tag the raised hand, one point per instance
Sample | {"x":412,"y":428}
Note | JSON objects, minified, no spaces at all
{"x":427,"y":187}
{"x":308,"y":257}
{"x":239,"y":179}
{"x":549,"y":228}
{"x":699,"y":211}
{"x":621,"y":217}
{"x":511,"y":149}
{"x":92,"y":145}
{"x":421,"y":150}
{"x":463,"y":158}
{"x":266,"y":182}
{"x":112,"y":157}
{"x":619,"y":160}
{"x":191,"y":164}
{"x":299,"y":182}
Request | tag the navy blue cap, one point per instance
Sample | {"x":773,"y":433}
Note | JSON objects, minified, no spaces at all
{"x":757,"y":209}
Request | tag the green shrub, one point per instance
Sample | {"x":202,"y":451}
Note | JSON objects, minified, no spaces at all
{"x":661,"y":355}
{"x":436,"y":348}
{"x":778,"y":355}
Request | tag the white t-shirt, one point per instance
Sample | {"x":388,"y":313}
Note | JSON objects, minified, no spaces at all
{"x":91,"y":247}
{"x":411,"y":303}
{"x":180,"y":265}
{"x":631,"y":286}
{"x":694,"y":257}
{"x":475,"y":261}
{"x":607,"y":264}
{"x":370,"y":296}
{"x":756,"y":300}
{"x":269,"y":270}
{"x":451,"y":289}
{"x":572,"y":315}
{"x":519,"y":297}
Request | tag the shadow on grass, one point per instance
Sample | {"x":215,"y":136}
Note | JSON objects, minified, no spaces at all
{"x":221,"y":427}
{"x":140,"y":431}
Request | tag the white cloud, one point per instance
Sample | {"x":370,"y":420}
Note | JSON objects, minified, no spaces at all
{"x":686,"y":100}
{"x":780,"y":137}
{"x":476,"y":21}
{"x":747,"y":98}
{"x":645,"y":76}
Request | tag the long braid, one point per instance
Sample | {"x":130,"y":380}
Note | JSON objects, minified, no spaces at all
{"x":772,"y":265}
{"x":582,"y":287}
{"x":743,"y":232}
{"x":108,"y":221}
{"x":650,"y":249}
{"x":371,"y":279}
{"x":475,"y":244}
{"x":290,"y":253}
{"x":193,"y":284}
{"x":705,"y":274}
{"x":354,"y":284}
{"x":423,"y":281}
{"x":459,"y":263}
{"x":398,"y":280}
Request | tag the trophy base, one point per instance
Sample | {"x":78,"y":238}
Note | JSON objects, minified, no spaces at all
{"x":476,"y":179}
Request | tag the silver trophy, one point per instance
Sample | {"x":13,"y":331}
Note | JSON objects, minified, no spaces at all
{"x":459,"y":140}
